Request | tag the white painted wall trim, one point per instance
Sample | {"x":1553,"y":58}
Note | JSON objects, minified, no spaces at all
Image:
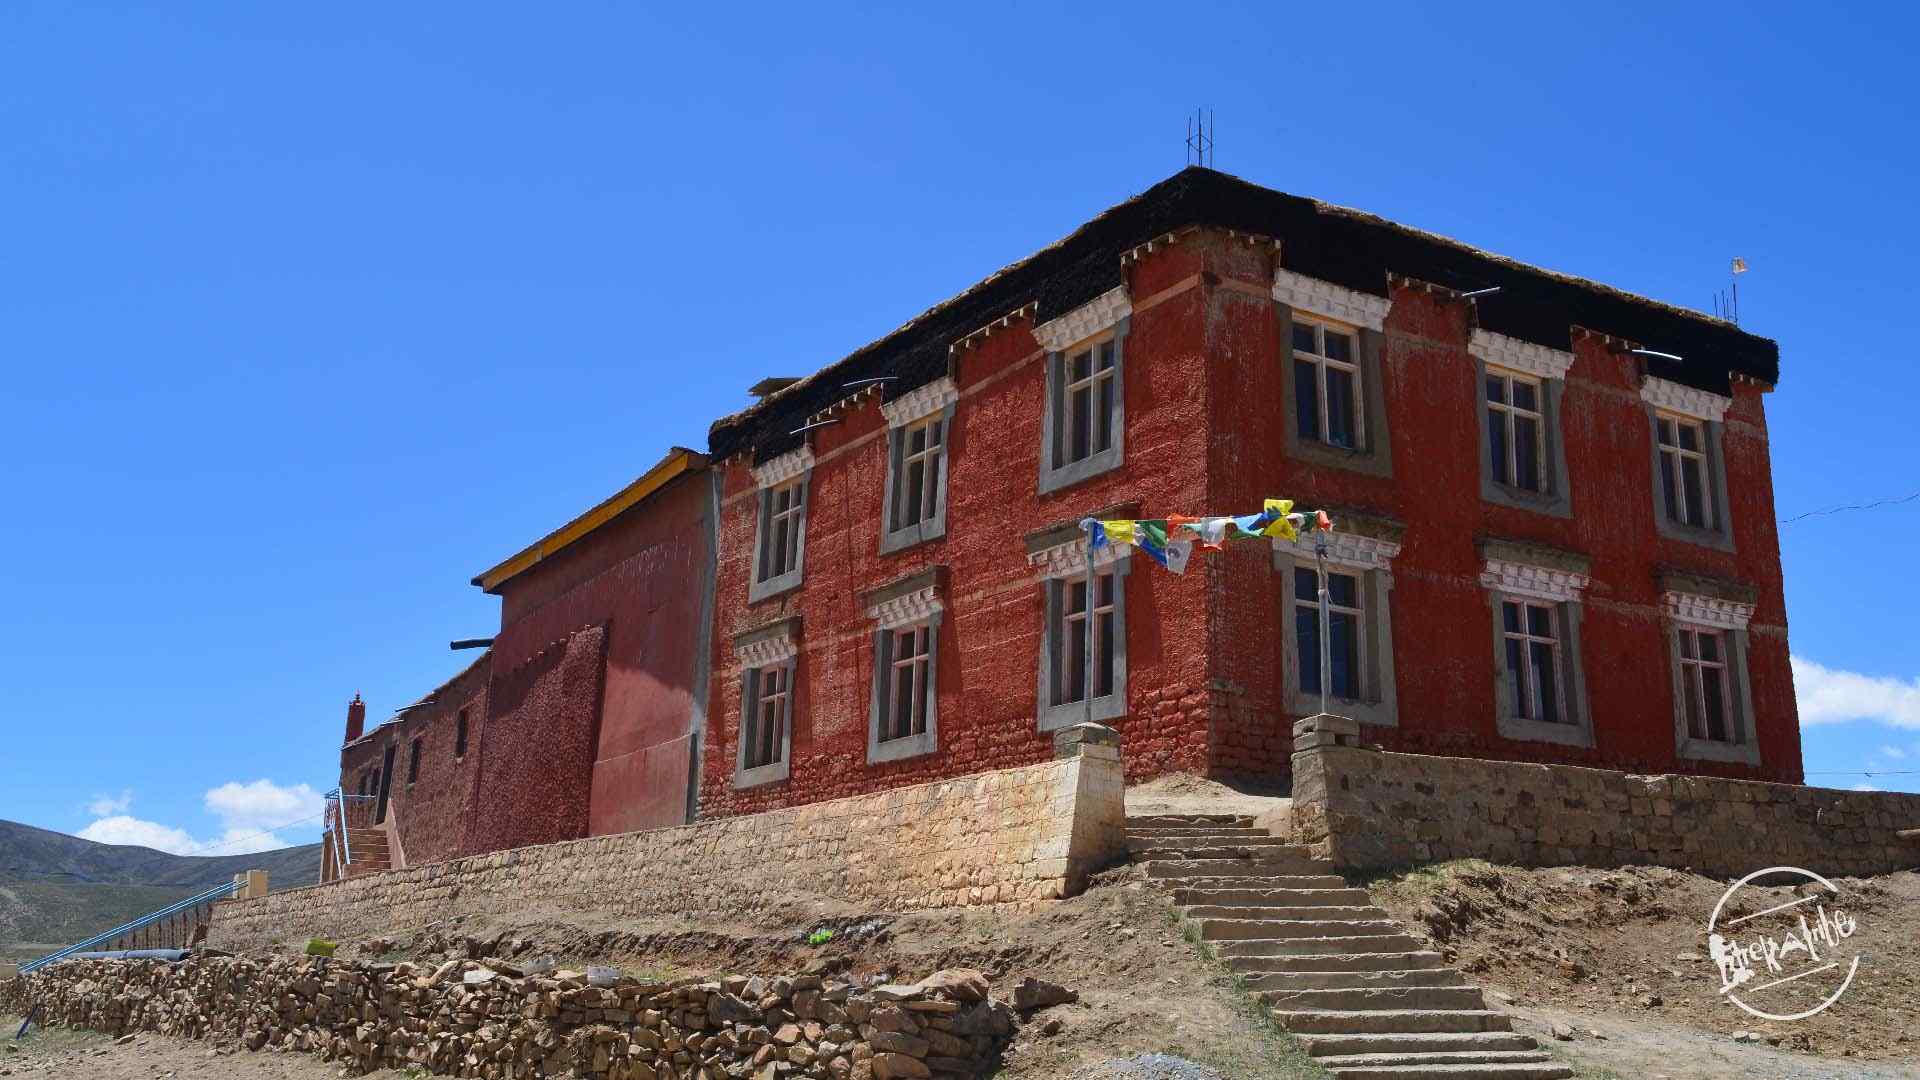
{"x":767,"y":652}
{"x":1707,"y":611}
{"x":1516,"y":355}
{"x":1317,"y":297}
{"x":1685,"y":400}
{"x":783,"y":468}
{"x":1350,"y":550}
{"x":1537,"y":582}
{"x":1070,"y":559}
{"x":1090,"y":318}
{"x":921,"y":402}
{"x":907,"y":608}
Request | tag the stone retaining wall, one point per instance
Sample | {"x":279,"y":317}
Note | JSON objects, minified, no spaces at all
{"x":1014,"y":836}
{"x":464,"y":1019}
{"x":1368,"y":809}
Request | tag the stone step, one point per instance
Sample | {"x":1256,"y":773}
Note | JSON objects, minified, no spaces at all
{"x":1333,"y":897}
{"x":1316,"y":946}
{"x":1318,"y":882}
{"x":1324,"y":1045}
{"x":1500,"y":1071}
{"x":1265,"y":929}
{"x":1437,"y":1057}
{"x":1390,"y":1021}
{"x":1333,"y":963}
{"x":1175,"y":821}
{"x":1195,"y":830}
{"x":1375,"y":998}
{"x":1174,"y":867}
{"x":1355,"y":980}
{"x":1276,"y":911}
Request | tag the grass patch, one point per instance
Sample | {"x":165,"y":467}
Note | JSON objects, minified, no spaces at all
{"x":45,"y":1040}
{"x":1277,"y":1055}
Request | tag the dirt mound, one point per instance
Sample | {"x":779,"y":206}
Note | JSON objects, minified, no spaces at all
{"x":1634,"y":941}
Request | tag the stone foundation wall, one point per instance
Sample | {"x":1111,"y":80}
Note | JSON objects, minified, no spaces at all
{"x":463,"y":1019}
{"x":1367,"y":809}
{"x":1013,"y":836}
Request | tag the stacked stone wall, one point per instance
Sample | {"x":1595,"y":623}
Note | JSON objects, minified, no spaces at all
{"x":1012,"y":836}
{"x":463,"y":1019}
{"x":1368,"y":809}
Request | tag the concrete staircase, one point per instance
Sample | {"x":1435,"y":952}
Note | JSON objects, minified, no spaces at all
{"x":1336,"y":971}
{"x":368,"y":850}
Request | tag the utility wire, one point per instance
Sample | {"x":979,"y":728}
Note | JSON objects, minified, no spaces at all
{"x":230,"y":841}
{"x":1877,"y":503}
{"x":1863,"y":772}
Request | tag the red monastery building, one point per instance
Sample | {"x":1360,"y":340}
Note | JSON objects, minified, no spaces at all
{"x":1538,"y":483}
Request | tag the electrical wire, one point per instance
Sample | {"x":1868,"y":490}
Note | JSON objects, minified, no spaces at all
{"x":1863,"y":772}
{"x":1876,"y":504}
{"x":232,"y":840}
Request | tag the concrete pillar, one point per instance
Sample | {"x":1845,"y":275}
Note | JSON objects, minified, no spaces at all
{"x":1099,"y":829}
{"x":250,"y":885}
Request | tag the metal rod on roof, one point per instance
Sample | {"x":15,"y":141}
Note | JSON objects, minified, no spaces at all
{"x":863,"y":382}
{"x":1651,"y":352}
{"x":1479,"y":292}
{"x":810,"y":427}
{"x":470,"y":643}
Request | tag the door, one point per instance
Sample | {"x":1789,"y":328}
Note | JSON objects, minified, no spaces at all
{"x":386,"y":787}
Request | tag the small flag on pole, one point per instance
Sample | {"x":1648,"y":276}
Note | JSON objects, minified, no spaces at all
{"x":1739,"y":265}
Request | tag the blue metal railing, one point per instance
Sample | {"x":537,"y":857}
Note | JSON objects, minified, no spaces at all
{"x":219,"y":892}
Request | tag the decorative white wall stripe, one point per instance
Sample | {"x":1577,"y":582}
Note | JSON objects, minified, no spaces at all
{"x":1317,"y":297}
{"x":1686,"y":400}
{"x":1537,"y":582}
{"x":1516,"y":355}
{"x":906,"y":608}
{"x":920,"y":402}
{"x":768,"y":651}
{"x":1070,"y":558}
{"x":783,"y":468}
{"x":1100,"y":313}
{"x":1707,"y":610}
{"x":1350,"y":550}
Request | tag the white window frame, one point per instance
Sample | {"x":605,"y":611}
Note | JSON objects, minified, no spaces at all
{"x":1102,"y":322}
{"x":1321,"y":362}
{"x":1556,"y":588}
{"x":1693,"y":613}
{"x":790,"y":474}
{"x":1673,"y":458}
{"x":1526,"y":710}
{"x":1369,"y":560}
{"x":1358,"y":612}
{"x":1675,"y":403}
{"x":911,"y":607}
{"x":1694,"y":662}
{"x":770,"y":650}
{"x":1511,"y":415}
{"x":926,"y":409}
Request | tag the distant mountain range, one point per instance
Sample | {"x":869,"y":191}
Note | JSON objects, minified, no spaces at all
{"x":56,"y":889}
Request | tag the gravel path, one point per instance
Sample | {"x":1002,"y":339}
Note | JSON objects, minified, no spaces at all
{"x":1147,"y":1067}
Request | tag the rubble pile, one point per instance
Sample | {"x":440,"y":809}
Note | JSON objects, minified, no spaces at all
{"x":464,"y":1018}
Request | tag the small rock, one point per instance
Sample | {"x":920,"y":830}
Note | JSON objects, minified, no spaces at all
{"x":1745,"y":1037}
{"x":1032,"y":993}
{"x":1648,"y":1001}
{"x":1051,"y":1027}
{"x":1562,"y":1032}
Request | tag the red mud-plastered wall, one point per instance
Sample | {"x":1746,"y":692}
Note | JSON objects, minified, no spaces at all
{"x":431,"y":812}
{"x":537,"y":761}
{"x":644,"y":577}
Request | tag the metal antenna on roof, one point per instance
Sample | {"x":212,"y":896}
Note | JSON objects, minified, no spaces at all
{"x":1200,"y":132}
{"x":1727,"y":304}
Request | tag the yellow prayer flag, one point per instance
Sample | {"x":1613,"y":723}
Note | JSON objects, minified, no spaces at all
{"x":1281,"y":527}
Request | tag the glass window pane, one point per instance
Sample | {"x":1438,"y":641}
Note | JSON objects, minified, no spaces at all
{"x":1713,"y":693}
{"x":1342,"y":424}
{"x":1106,"y":356}
{"x":1306,"y":629}
{"x":1526,"y":395}
{"x":1496,"y":389}
{"x":923,"y":673}
{"x":1668,"y":496}
{"x":1081,"y":404}
{"x":916,"y":440}
{"x":1343,"y":632}
{"x":1075,"y":654}
{"x":1710,"y":647}
{"x":1306,"y":584}
{"x":1690,"y":689}
{"x":1343,"y":589}
{"x":1539,"y":621}
{"x":1687,"y":646}
{"x":1303,"y":338}
{"x":1545,"y":686}
{"x":1103,"y":674}
{"x":916,"y":483}
{"x":1689,"y":436}
{"x":1526,"y":453}
{"x":1695,"y":491}
{"x":1510,"y":616}
{"x":1667,"y":437}
{"x":1497,"y":446}
{"x":1339,"y":347}
{"x":1103,"y":418}
{"x":1306,"y":398}
{"x":1103,"y":589}
{"x":1516,"y":680}
{"x":1079,"y":366}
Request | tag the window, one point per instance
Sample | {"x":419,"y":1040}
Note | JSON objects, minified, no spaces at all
{"x":1084,"y":424}
{"x":1064,"y":671}
{"x":766,"y":720}
{"x":1516,"y":423}
{"x":1684,"y":487}
{"x":1533,"y":661}
{"x":920,"y":425}
{"x":780,"y":549}
{"x":460,"y":735}
{"x":903,"y":717}
{"x":1326,"y":385}
{"x":413,"y":763}
{"x":1704,"y":685}
{"x":908,"y":678}
{"x":1345,"y":621}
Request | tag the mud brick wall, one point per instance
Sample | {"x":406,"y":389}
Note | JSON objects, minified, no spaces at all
{"x":466,"y":1020}
{"x":1012,"y":836}
{"x":1366,"y":809}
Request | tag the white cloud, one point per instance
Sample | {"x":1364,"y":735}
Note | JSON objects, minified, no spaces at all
{"x":109,"y":806}
{"x":131,"y":830}
{"x":1831,"y":696}
{"x":1893,"y":752}
{"x":249,"y":816}
{"x":1864,"y":786}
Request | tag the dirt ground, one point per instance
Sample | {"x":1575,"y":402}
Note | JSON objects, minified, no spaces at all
{"x":1625,"y":952}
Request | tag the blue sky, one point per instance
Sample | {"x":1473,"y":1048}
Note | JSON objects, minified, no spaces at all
{"x":309,"y":315}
